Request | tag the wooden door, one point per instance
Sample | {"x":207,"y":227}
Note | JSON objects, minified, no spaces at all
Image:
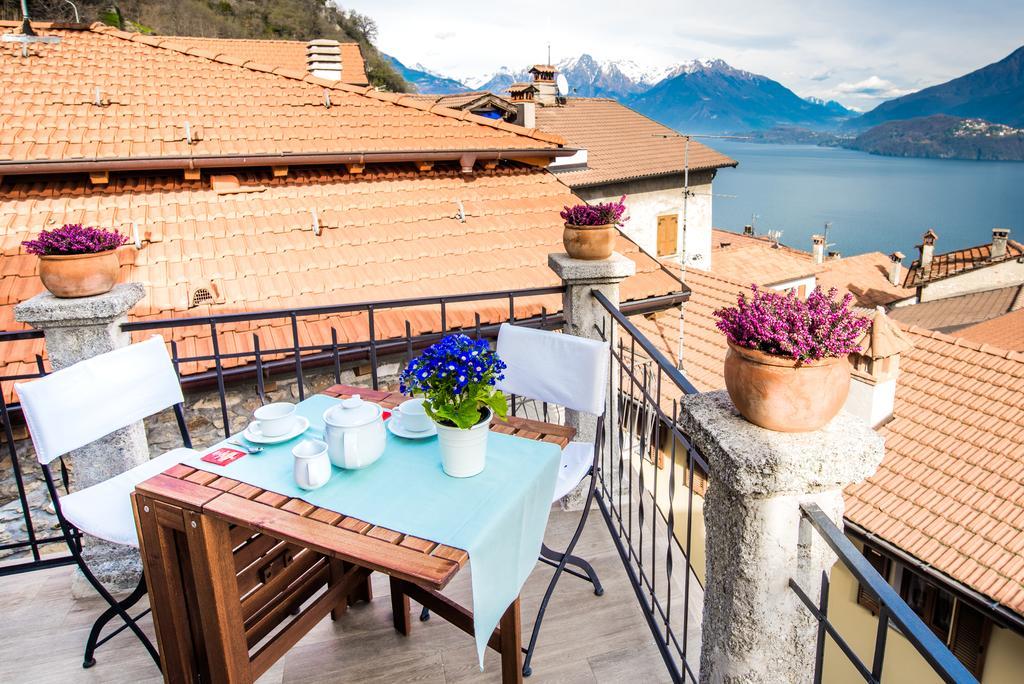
{"x":668,"y":234}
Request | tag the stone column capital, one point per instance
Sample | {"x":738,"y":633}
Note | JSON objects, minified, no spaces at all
{"x":601,"y":271}
{"x":46,"y":311}
{"x":757,"y":463}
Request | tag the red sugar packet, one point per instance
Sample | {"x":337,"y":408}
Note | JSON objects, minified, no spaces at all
{"x":223,"y":456}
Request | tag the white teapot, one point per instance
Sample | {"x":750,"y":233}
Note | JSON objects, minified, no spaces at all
{"x":354,"y":432}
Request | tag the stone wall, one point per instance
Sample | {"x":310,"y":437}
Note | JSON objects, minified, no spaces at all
{"x":1004,"y":274}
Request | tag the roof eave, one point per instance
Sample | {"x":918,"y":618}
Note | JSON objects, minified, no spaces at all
{"x":49,"y":166}
{"x":643,"y":176}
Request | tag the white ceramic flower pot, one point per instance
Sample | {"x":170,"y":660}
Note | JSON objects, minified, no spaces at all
{"x":463,"y":452}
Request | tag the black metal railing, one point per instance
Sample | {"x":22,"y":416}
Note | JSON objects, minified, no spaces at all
{"x":228,"y":363}
{"x":648,"y":490}
{"x":891,"y":608}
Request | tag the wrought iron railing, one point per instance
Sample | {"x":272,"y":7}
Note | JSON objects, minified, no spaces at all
{"x":891,"y":608}
{"x":648,"y":490}
{"x":257,"y":363}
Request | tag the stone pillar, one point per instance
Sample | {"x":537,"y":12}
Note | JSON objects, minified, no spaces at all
{"x":78,"y":329}
{"x":584,"y":316}
{"x":755,"y":629}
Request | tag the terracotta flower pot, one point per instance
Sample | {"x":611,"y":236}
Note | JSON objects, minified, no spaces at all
{"x":79,"y":275}
{"x":589,"y":242}
{"x":782,"y":394}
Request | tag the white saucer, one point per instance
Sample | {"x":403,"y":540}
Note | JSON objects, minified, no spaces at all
{"x":253,"y":434}
{"x":395,"y":425}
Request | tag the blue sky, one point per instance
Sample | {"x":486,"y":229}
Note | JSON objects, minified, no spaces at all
{"x":859,"y":53}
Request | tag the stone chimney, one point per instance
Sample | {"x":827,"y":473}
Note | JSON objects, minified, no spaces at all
{"x":748,"y":230}
{"x":323,"y":59}
{"x":876,"y":370}
{"x":999,"y":238}
{"x":927,"y":248}
{"x":544,"y":82}
{"x":818,"y":248}
{"x":896,"y":270}
{"x":526,"y":114}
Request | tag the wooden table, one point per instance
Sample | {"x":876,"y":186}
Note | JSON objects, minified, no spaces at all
{"x":237,"y":574}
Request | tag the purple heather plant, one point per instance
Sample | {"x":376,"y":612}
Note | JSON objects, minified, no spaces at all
{"x":73,"y":238}
{"x":785,"y":325}
{"x":596,"y":214}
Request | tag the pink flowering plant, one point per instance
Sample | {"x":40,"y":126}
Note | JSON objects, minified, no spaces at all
{"x":596,"y":214}
{"x":784,"y":325}
{"x":74,"y":238}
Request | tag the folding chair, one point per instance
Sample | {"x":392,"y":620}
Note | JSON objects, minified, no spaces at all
{"x":571,"y":372}
{"x":77,"y":405}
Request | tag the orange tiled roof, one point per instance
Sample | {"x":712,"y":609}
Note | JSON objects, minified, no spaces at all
{"x":1005,"y":332}
{"x":388,"y":233}
{"x":865,"y":276}
{"x":756,"y":259}
{"x":290,"y":54}
{"x":952,"y":263}
{"x":951,"y":488}
{"x":622,"y":144}
{"x":149,"y":87}
{"x":953,"y":314}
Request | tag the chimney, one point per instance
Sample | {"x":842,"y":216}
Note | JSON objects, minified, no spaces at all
{"x":833,"y":256}
{"x":544,"y":82}
{"x":323,"y":59}
{"x":896,"y":270}
{"x":876,"y":370}
{"x":748,"y":230}
{"x":818,"y":248}
{"x":999,"y":238}
{"x":526,"y":114}
{"x":927,"y":248}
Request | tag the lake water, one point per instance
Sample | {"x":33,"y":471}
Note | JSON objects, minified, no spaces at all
{"x":874,"y":203}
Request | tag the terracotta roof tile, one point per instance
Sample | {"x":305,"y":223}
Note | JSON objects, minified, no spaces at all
{"x":389,"y":233}
{"x":1006,"y":331}
{"x":956,"y":313}
{"x":959,"y":261}
{"x":621,"y":143}
{"x":148,"y":93}
{"x":950,"y":490}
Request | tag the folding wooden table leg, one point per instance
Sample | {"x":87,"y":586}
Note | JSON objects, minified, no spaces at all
{"x":400,"y":608}
{"x":217,"y":592}
{"x":511,"y":645}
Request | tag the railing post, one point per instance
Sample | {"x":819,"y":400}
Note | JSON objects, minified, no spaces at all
{"x":755,"y":628}
{"x":585,"y":317}
{"x":78,"y":329}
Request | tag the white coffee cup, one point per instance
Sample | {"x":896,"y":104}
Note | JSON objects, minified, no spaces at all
{"x":275,"y":419}
{"x":414,"y":417}
{"x":312,"y":464}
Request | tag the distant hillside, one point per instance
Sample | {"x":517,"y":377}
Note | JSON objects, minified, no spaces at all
{"x":944,"y":137}
{"x":425,"y":81}
{"x":267,"y":19}
{"x":994,"y":93}
{"x":711,"y":96}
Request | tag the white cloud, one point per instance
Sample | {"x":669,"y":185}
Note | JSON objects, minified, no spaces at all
{"x":858,"y":53}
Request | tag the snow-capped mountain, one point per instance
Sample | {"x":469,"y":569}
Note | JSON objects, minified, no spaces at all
{"x":587,"y":77}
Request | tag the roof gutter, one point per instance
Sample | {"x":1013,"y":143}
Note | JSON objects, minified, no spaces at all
{"x":46,"y":166}
{"x":1000,"y":614}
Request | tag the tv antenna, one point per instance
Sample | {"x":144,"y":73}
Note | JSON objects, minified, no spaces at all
{"x":28,"y":34}
{"x":828,"y":229}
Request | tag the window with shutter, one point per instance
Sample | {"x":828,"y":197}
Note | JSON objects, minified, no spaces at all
{"x":668,"y":234}
{"x":879,"y":563}
{"x":971,"y":632}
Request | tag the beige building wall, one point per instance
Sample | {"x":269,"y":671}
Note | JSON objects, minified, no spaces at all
{"x":999,"y":275}
{"x":649,"y":198}
{"x":1004,"y":661}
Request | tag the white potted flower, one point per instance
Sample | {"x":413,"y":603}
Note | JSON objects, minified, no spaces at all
{"x":456,"y":377}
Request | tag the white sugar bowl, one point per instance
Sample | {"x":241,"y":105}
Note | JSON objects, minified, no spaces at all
{"x":354,"y":432}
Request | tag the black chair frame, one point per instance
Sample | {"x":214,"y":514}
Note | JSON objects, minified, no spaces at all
{"x":73,"y":538}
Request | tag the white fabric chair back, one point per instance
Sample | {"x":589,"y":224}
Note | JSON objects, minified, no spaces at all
{"x":560,"y":369}
{"x":79,"y":404}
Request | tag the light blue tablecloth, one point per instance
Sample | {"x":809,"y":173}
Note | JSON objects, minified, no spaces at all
{"x":498,"y":516}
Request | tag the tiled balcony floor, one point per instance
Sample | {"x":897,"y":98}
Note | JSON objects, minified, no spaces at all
{"x":585,"y":638}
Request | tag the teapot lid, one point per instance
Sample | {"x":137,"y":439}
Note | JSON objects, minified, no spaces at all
{"x":352,"y":412}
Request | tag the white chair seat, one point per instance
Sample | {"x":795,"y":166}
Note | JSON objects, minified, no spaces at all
{"x":105,"y":509}
{"x":577,"y":458}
